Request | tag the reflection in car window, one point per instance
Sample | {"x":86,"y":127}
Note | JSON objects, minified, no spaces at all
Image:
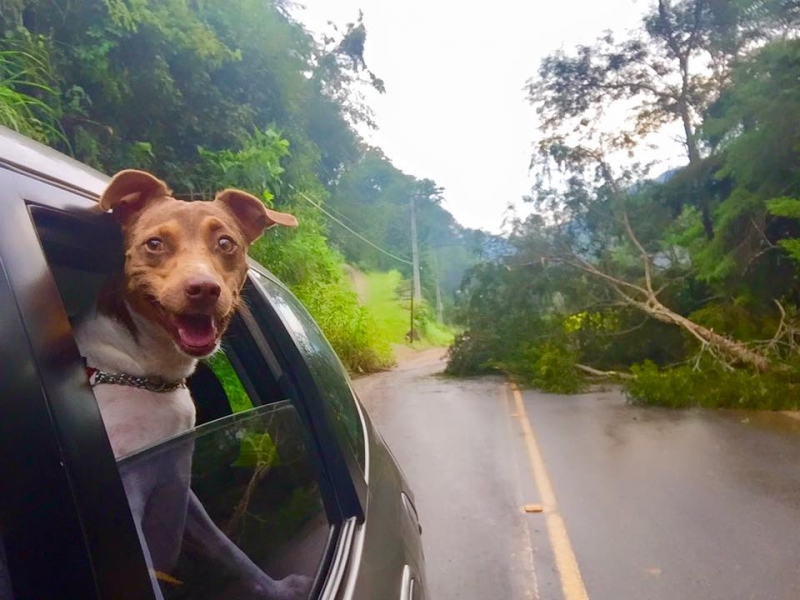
{"x":326,"y":368}
{"x":254,"y":478}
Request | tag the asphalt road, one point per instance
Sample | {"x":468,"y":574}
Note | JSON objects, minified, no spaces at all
{"x":638,"y":504}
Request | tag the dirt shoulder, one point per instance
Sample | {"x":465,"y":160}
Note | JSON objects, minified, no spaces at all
{"x":408,"y":357}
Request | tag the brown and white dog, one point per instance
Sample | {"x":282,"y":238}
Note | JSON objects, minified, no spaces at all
{"x":184,"y":270}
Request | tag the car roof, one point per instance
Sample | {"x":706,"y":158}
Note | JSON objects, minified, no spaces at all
{"x":22,"y":153}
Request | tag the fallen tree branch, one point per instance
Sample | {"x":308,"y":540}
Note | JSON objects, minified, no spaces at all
{"x":598,"y":373}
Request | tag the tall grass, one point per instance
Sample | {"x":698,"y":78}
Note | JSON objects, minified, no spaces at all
{"x":384,"y":304}
{"x":28,"y":100}
{"x":350,"y":328}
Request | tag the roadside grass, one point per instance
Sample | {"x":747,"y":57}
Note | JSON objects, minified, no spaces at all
{"x":384,"y":304}
{"x":391,"y":312}
{"x":438,"y":334}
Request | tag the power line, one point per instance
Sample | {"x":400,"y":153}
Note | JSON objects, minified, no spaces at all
{"x":355,"y":233}
{"x":339,"y":214}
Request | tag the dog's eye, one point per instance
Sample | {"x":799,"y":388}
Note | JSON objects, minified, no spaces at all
{"x":154,"y":244}
{"x":226,"y":244}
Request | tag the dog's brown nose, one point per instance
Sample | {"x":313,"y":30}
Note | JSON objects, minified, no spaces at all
{"x":202,"y":290}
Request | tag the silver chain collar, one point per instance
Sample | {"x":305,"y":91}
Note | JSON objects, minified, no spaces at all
{"x":151,"y":384}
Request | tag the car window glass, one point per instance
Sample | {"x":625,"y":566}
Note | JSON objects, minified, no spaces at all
{"x":326,"y":368}
{"x":252,"y":476}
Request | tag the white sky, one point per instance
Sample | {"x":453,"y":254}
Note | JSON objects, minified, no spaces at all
{"x":454,"y":109}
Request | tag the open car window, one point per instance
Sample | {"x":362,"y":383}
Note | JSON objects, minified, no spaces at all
{"x":250,"y":467}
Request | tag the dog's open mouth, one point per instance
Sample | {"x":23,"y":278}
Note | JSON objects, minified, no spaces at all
{"x":196,"y":334}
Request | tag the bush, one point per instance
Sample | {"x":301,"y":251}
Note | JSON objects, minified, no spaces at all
{"x":555,"y":371}
{"x":548,"y":366}
{"x":349,"y":327}
{"x":709,"y":385}
{"x":470,"y":354}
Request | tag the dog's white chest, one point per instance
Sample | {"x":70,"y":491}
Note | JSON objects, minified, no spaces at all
{"x":135,"y":418}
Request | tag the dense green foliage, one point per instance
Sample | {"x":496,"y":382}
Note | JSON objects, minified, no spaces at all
{"x":210,"y":95}
{"x":709,"y":385}
{"x":693,"y":276}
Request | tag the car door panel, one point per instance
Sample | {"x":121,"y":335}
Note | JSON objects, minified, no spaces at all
{"x":83,"y":453}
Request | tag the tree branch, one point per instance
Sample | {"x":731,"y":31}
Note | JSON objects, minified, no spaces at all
{"x":598,"y":373}
{"x":648,"y":276}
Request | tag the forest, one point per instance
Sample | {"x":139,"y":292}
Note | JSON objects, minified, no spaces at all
{"x":238,"y":93}
{"x":680,"y":284}
{"x":683,"y":284}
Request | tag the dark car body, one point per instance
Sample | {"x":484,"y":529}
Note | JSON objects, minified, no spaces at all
{"x":65,"y":526}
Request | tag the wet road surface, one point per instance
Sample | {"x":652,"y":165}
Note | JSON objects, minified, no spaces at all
{"x":653,"y":504}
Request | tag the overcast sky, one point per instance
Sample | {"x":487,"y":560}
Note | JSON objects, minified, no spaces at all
{"x":454,"y":109}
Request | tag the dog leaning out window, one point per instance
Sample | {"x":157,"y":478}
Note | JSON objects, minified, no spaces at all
{"x":230,"y":507}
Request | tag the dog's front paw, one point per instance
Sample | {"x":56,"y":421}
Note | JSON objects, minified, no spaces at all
{"x":293,"y":587}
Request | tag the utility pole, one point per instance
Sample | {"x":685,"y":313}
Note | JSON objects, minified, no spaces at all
{"x":417,"y":292}
{"x":416,"y":288}
{"x":439,"y":305}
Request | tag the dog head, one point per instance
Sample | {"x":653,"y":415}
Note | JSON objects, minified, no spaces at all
{"x":185,"y":262}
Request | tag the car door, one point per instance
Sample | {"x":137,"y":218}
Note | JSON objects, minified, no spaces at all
{"x":266,"y":467}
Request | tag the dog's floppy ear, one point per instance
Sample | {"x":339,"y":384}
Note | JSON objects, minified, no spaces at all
{"x":130,"y":191}
{"x":252,"y":215}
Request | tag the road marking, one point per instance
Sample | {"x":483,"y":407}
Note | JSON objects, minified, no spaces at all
{"x":571,"y":581}
{"x":528,"y":583}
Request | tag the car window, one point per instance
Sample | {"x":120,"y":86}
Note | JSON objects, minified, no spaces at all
{"x":248,"y":470}
{"x":252,"y":475}
{"x":326,"y":368}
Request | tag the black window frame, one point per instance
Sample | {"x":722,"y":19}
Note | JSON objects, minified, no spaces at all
{"x":72,"y":458}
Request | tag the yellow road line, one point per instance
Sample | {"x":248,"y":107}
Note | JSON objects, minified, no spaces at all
{"x":571,"y":581}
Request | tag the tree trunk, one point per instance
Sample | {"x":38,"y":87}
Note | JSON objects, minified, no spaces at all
{"x":729,"y":347}
{"x":688,"y":130}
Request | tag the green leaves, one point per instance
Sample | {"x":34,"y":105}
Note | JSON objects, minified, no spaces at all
{"x":209,"y":95}
{"x":784,"y":207}
{"x":789,"y":208}
{"x":256,"y":167}
{"x":28,"y":101}
{"x":707,"y":384}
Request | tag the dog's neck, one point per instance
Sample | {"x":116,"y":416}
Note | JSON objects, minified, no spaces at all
{"x":126,"y":342}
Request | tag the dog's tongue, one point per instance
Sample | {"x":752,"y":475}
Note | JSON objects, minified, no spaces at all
{"x":196,"y":331}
